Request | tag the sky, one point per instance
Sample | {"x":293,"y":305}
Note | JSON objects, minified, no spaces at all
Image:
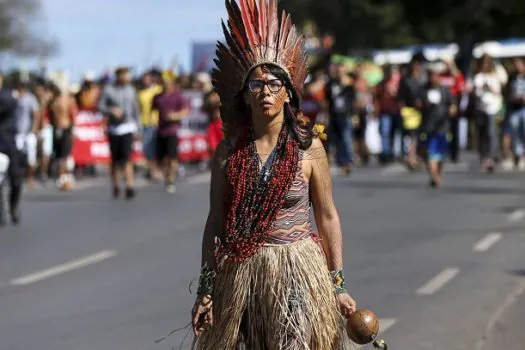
{"x":95,"y":35}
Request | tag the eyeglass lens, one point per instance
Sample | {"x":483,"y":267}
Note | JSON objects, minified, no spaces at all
{"x":258,"y":85}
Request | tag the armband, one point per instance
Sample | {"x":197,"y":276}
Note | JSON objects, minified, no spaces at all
{"x":206,"y":281}
{"x":338,"y":279}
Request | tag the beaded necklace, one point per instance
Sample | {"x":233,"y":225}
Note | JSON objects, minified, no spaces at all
{"x":254,"y":195}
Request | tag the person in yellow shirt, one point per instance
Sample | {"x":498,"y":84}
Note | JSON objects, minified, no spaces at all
{"x":149,"y":120}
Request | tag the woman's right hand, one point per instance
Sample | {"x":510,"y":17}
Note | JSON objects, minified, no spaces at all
{"x":116,"y":112}
{"x":202,"y":314}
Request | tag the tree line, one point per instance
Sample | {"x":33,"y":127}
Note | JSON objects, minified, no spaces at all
{"x":377,"y":24}
{"x":20,"y":33}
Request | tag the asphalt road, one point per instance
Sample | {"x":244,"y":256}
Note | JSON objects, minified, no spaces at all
{"x":443,"y":269}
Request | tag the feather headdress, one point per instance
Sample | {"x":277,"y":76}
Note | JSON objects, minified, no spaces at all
{"x":254,"y":37}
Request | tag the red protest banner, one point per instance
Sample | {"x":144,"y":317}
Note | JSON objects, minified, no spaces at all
{"x":193,"y":146}
{"x":91,"y":146}
{"x":193,"y":133}
{"x":90,"y":143}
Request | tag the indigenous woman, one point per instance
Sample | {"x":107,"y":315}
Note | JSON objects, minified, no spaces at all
{"x":267,"y":280}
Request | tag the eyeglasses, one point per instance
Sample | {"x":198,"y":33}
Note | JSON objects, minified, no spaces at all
{"x":257,"y":86}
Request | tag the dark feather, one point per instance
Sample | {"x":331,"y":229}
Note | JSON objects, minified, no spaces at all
{"x":236,"y":26}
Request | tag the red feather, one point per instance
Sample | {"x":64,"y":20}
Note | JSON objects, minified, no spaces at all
{"x":263,"y":21}
{"x":286,"y":25}
{"x":273,"y":23}
{"x":253,"y":34}
{"x":247,"y":21}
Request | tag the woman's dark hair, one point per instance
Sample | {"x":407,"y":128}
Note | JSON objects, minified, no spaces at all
{"x":294,"y":119}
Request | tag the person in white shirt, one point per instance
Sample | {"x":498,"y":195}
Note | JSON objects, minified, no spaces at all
{"x":488,"y":99}
{"x":27,"y":122}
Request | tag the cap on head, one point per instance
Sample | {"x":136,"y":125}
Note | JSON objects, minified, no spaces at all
{"x":89,"y":77}
{"x":168,"y":76}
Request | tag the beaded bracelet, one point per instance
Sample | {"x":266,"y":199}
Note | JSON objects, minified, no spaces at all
{"x":338,"y":280}
{"x":206,"y":281}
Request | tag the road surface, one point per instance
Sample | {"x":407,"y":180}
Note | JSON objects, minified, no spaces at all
{"x":443,"y":269}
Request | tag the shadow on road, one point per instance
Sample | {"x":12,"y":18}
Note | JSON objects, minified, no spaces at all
{"x":517,"y":273}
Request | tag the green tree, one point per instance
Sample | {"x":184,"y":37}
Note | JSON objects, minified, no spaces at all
{"x":393,"y":23}
{"x":19,"y":31}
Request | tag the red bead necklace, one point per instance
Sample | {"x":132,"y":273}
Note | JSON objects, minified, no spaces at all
{"x":251,"y":203}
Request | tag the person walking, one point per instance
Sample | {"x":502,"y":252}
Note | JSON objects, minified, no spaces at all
{"x":119,"y":103}
{"x":268,"y":281}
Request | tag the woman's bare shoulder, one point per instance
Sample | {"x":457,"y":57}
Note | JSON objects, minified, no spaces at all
{"x":313,"y":158}
{"x":316,"y":150}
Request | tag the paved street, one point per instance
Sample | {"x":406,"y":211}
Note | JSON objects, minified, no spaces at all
{"x":443,"y":269}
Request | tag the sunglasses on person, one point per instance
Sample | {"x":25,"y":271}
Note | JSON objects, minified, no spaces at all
{"x":257,"y":86}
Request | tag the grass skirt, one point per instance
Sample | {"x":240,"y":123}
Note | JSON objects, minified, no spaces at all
{"x":282,"y":298}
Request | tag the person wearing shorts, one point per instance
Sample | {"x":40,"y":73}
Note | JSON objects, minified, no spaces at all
{"x":121,"y":147}
{"x":167,"y":147}
{"x":172,"y":107}
{"x":27,"y":121}
{"x":63,"y":143}
{"x":437,"y":105}
{"x":119,"y":104}
{"x":63,"y":111}
{"x":437,"y":147}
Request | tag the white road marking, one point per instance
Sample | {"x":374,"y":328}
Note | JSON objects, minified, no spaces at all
{"x":487,"y":242}
{"x":385,"y":324}
{"x":516,"y":215}
{"x":63,"y":268}
{"x":438,"y":281}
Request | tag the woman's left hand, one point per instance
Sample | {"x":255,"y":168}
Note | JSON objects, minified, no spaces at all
{"x":346,"y":303}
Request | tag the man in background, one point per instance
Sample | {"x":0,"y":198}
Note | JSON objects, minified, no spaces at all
{"x":172,"y":107}
{"x":411,"y":94}
{"x":516,"y":106}
{"x":119,"y":104}
{"x":341,"y":96}
{"x":15,"y":172}
{"x":63,"y":111}
{"x":452,"y":79}
{"x":437,"y":105}
{"x":27,"y":123}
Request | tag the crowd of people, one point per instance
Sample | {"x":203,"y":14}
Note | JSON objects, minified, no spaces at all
{"x":414,"y":114}
{"x":38,"y":123}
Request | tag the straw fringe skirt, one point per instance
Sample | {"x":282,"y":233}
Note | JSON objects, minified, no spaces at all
{"x":282,"y":298}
